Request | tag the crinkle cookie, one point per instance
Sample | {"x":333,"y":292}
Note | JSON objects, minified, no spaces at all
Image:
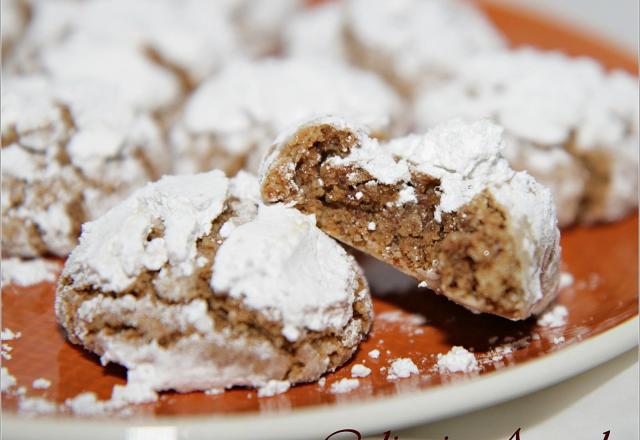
{"x":152,"y":49}
{"x":232,"y":118}
{"x":570,"y":124}
{"x":192,"y":283}
{"x":444,"y":207}
{"x":69,"y":152}
{"x":414,"y":42}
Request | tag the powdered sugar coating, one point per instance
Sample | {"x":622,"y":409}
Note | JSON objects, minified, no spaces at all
{"x":547,"y":101}
{"x":458,"y":359}
{"x":71,"y":151}
{"x":145,"y":47}
{"x":301,"y":259}
{"x":114,"y":249}
{"x":317,"y":32}
{"x":419,"y":41}
{"x":244,"y":107}
{"x":155,"y":233}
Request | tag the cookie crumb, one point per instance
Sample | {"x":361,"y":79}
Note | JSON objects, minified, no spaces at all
{"x":344,"y":386}
{"x":28,"y":272}
{"x":402,"y":368}
{"x":274,"y":387}
{"x":7,"y":381}
{"x":374,"y":354}
{"x":554,"y":317}
{"x":359,"y":370}
{"x":566,"y":280}
{"x":36,"y":405}
{"x":214,"y":391}
{"x":41,"y":384}
{"x":458,"y":359}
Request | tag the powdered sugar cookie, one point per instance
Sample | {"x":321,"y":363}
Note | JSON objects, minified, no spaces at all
{"x":413,"y":42}
{"x":192,"y":284}
{"x":444,"y":207}
{"x":570,"y":124}
{"x":231,"y":119}
{"x":68,"y":153}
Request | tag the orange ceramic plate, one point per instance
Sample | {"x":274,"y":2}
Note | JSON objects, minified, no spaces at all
{"x":602,"y":322}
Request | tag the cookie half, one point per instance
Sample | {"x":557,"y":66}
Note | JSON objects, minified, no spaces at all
{"x":192,"y":284}
{"x":444,"y":207}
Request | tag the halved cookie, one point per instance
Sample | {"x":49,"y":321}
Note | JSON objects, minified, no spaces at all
{"x":444,"y":207}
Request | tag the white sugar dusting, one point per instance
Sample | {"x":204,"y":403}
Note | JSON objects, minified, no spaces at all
{"x":28,"y":272}
{"x":114,"y":249}
{"x":41,"y":384}
{"x":344,"y":386}
{"x":402,"y":368}
{"x":359,"y":370}
{"x":556,"y":316}
{"x":7,"y":381}
{"x":458,"y":359}
{"x":293,"y":257}
{"x":8,"y":335}
{"x":374,"y":354}
{"x":420,"y":41}
{"x":274,"y":387}
{"x":566,"y":280}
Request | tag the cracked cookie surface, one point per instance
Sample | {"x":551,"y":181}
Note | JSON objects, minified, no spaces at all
{"x":192,"y":284}
{"x":69,"y":152}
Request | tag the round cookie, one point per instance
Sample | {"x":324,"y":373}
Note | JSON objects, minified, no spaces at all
{"x":570,"y":124}
{"x":69,"y":152}
{"x":192,"y":283}
{"x":416,"y":42}
{"x":230,"y":120}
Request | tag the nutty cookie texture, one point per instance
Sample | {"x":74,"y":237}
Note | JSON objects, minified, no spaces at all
{"x":444,"y":207}
{"x":192,"y":283}
{"x":569,"y":123}
{"x":70,"y":151}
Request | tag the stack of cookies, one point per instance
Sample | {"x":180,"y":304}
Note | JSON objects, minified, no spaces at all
{"x":207,"y":169}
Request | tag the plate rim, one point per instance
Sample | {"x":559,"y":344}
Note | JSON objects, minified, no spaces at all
{"x":375,"y":415}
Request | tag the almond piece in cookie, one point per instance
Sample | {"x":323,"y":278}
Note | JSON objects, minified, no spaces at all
{"x":193,"y":284}
{"x":444,"y":207}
